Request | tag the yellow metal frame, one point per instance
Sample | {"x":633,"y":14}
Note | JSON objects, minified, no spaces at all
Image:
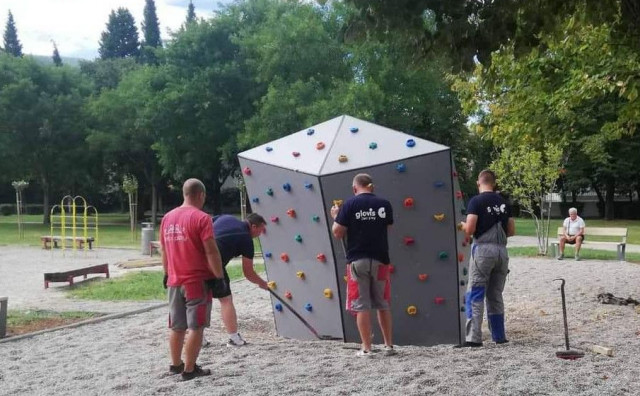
{"x":88,"y":212}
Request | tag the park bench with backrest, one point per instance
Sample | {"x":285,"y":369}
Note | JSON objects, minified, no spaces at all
{"x":56,"y":239}
{"x":605,"y":232}
{"x":68,"y":276}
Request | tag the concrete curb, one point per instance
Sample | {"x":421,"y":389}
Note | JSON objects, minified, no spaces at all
{"x":84,"y":322}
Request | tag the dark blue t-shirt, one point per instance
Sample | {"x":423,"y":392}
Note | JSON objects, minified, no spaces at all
{"x":490,"y":208}
{"x":366,"y":218}
{"x":233,"y":238}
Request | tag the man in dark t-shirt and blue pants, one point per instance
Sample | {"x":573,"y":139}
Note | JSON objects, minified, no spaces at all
{"x":489,"y":221}
{"x":364,"y":219}
{"x":234,"y":237}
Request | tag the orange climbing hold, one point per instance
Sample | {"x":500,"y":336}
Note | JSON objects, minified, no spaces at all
{"x":291,"y":213}
{"x":284,"y":257}
{"x":319,"y":146}
{"x":412,"y":310}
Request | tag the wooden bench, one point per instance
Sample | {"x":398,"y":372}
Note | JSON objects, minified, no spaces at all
{"x":599,"y":232}
{"x":55,"y":239}
{"x":154,"y":246}
{"x":68,"y":276}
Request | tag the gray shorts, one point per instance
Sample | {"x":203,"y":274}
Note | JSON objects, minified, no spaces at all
{"x":368,"y":285}
{"x":189,"y":306}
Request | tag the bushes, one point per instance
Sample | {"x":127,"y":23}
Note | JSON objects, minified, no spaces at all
{"x":10,"y":209}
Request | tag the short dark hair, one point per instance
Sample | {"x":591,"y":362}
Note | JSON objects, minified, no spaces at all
{"x":487,"y":176}
{"x":255,"y":219}
{"x":363,"y":180}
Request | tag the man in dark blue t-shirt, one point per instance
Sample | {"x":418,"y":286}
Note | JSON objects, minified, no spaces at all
{"x":234,"y":238}
{"x":489,"y":221}
{"x":364,"y":219}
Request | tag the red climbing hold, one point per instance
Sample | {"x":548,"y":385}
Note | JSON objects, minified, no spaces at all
{"x":288,"y":294}
{"x":247,"y":171}
{"x":296,"y":154}
{"x":274,"y":219}
{"x":460,"y":257}
{"x":455,"y":174}
{"x":319,"y":146}
{"x":291,"y":213}
{"x":409,"y":241}
{"x":423,"y":277}
{"x":408,"y":202}
{"x":321,"y":258}
{"x":459,"y":194}
{"x":439,"y":300}
{"x":284,"y":257}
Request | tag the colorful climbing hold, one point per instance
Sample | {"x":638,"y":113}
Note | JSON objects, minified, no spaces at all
{"x":465,"y":271}
{"x":373,"y":145}
{"x":288,"y":295}
{"x":308,"y":307}
{"x":411,"y":143}
{"x":408,"y":202}
{"x":454,"y":173}
{"x":343,"y":158}
{"x":284,"y":257}
{"x":269,"y":191}
{"x":423,"y":277}
{"x":337,"y":202}
{"x":308,"y":186}
{"x":310,"y":131}
{"x":353,"y":129}
{"x":268,"y":254}
{"x":438,"y":184}
{"x":247,"y":171}
{"x":412,"y":310}
{"x":459,"y":194}
{"x":408,"y":241}
{"x":255,"y":200}
{"x":271,"y":285}
{"x":269,"y":149}
{"x":296,"y":154}
{"x":319,"y":146}
{"x":298,"y":238}
{"x":321,"y":258}
{"x":438,"y":300}
{"x":401,"y":168}
{"x":345,"y":278}
{"x":286,"y":187}
{"x":443,"y":255}
{"x":291,"y":213}
{"x":439,"y":216}
{"x":275,"y":219}
{"x":278,"y":307}
{"x":315,"y":218}
{"x":462,"y":283}
{"x":328,"y":293}
{"x":460,"y":257}
{"x":460,"y":226}
{"x":300,"y":274}
{"x":462,"y":309}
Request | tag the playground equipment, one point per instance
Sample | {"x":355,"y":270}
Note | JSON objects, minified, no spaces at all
{"x":64,"y":218}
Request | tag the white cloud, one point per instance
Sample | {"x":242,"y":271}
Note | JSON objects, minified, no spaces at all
{"x":76,"y":25}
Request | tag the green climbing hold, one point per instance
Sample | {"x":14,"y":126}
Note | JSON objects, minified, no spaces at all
{"x":443,"y":255}
{"x":465,"y":271}
{"x":316,"y":218}
{"x":298,"y":238}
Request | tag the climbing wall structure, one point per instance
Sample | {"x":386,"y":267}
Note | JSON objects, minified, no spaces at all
{"x":294,"y":181}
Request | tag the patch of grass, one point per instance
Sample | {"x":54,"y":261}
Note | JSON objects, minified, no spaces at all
{"x":526,"y":227}
{"x":585,"y":254}
{"x":27,"y":321}
{"x":135,"y":286}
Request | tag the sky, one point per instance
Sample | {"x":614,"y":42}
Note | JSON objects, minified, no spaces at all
{"x":76,"y":25}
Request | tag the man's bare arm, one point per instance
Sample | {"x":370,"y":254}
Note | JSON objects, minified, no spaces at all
{"x":213,"y":258}
{"x":251,"y":275}
{"x":511,"y":227}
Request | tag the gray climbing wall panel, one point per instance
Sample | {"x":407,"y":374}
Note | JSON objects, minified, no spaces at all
{"x":426,"y":248}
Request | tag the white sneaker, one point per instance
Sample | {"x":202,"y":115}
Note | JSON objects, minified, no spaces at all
{"x":364,"y":354}
{"x":389,"y":350}
{"x":236,"y":342}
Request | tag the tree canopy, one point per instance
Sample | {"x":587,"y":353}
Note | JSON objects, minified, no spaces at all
{"x":120,"y":39}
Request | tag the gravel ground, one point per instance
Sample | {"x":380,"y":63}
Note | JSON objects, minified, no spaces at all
{"x":128,"y":356}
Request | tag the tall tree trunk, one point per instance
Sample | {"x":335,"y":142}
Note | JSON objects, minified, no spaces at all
{"x":46,"y":218}
{"x":154,"y":203}
{"x":609,"y":199}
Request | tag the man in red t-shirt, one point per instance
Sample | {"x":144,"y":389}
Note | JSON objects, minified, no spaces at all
{"x":190,"y":257}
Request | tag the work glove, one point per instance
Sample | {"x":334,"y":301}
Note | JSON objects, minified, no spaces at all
{"x":165,"y":278}
{"x":218,"y":286}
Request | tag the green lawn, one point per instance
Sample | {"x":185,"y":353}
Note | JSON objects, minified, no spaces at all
{"x":585,"y":254}
{"x":135,"y":286}
{"x":526,"y":227}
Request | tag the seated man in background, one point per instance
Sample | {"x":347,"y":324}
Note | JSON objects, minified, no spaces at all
{"x":573,"y":233}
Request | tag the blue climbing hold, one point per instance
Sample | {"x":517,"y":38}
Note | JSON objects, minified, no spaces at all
{"x":401,"y":167}
{"x":270,"y":191}
{"x":255,"y":200}
{"x":298,"y":238}
{"x":438,"y":184}
{"x":373,"y":145}
{"x":286,"y":187}
{"x":269,"y":149}
{"x":353,"y":129}
{"x":411,"y":143}
{"x":308,"y":307}
{"x":310,"y":131}
{"x":278,"y":307}
{"x":308,"y":186}
{"x":268,"y":254}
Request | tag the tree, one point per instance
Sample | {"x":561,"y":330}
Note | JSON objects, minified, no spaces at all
{"x":12,"y":45}
{"x":529,"y":176}
{"x":57,"y":60}
{"x":150,"y":32}
{"x":120,"y":39}
{"x":191,"y":13}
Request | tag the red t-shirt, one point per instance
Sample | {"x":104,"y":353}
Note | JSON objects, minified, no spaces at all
{"x":183,"y":233}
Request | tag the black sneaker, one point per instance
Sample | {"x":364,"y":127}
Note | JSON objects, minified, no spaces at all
{"x":502,"y":341}
{"x":197,"y":372}
{"x":469,"y":345}
{"x":176,"y":369}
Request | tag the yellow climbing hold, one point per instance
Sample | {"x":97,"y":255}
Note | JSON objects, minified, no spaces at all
{"x":343,"y":158}
{"x":272,"y":285}
{"x":300,"y":274}
{"x":328,"y":293}
{"x":439,"y":216}
{"x":412,"y":310}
